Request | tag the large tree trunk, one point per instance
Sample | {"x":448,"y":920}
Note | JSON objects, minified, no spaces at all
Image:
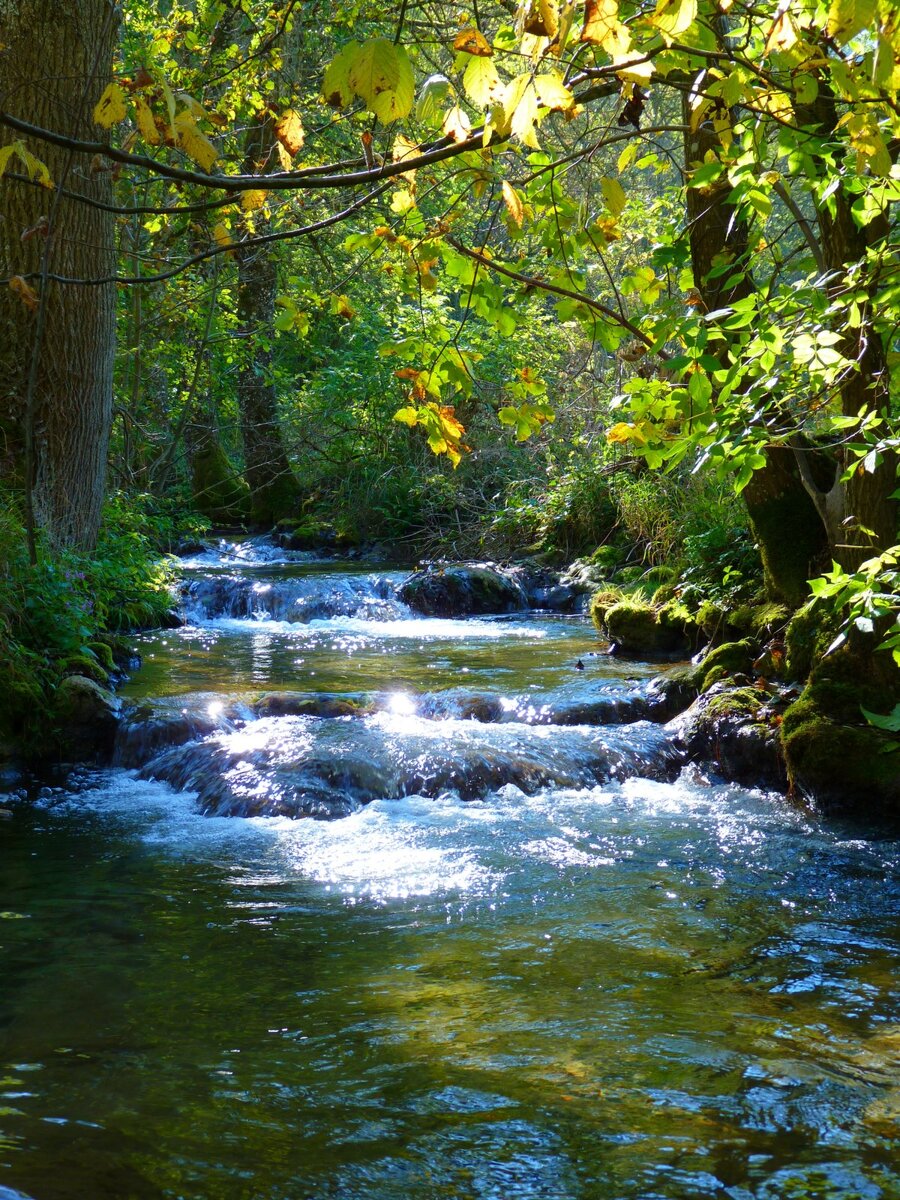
{"x":783,"y":516}
{"x":55,"y":63}
{"x":274,"y":491}
{"x":864,"y":514}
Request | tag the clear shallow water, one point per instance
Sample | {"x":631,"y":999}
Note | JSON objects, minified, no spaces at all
{"x":638,"y":989}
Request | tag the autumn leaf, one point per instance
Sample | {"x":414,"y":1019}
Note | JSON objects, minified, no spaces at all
{"x":481,"y":81}
{"x":194,"y":143}
{"x":253,"y":199}
{"x":613,"y":195}
{"x":673,"y":17}
{"x":457,"y":124}
{"x":471,"y":41}
{"x":336,"y":88}
{"x":110,"y":108}
{"x":382,"y":76}
{"x":513,"y":202}
{"x":341,"y":307}
{"x":25,"y":292}
{"x":145,"y":122}
{"x":603,"y":28}
{"x":289,"y":131}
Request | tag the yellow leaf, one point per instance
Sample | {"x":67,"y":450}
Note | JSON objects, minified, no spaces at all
{"x":632,"y":70}
{"x":289,"y":131}
{"x":613,"y":195}
{"x":553,"y":93}
{"x":525,"y":115}
{"x":457,"y":124}
{"x":407,"y":416}
{"x":621,"y":433}
{"x":222,"y":236}
{"x":783,"y":33}
{"x":513,"y":202}
{"x":195,"y":144}
{"x":405,"y":147}
{"x":847,"y":18}
{"x":402,"y":201}
{"x":284,"y":159}
{"x":481,"y":81}
{"x":110,"y":108}
{"x":25,"y":292}
{"x":5,"y":155}
{"x":253,"y":199}
{"x":673,"y":17}
{"x":603,"y":28}
{"x":143,"y":118}
{"x":341,"y":307}
{"x":472,"y":41}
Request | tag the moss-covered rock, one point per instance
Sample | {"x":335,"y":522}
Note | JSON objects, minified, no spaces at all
{"x":466,"y":589}
{"x":636,"y":627}
{"x":833,"y":754}
{"x":307,"y":534}
{"x":84,"y":718}
{"x":86,"y":665}
{"x":810,"y":632}
{"x":104,"y":655}
{"x":601,"y":603}
{"x":729,"y":658}
{"x":737,"y":730}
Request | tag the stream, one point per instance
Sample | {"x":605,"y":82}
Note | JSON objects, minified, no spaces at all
{"x":522,"y":952}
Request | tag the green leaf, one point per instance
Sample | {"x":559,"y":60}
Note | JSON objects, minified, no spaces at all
{"x":890,"y":722}
{"x":381,"y":75}
{"x":336,"y":86}
{"x":432,"y":94}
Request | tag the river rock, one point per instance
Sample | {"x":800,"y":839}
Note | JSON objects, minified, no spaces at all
{"x":462,"y":590}
{"x":735,"y":728}
{"x":148,"y":729}
{"x":85,"y":718}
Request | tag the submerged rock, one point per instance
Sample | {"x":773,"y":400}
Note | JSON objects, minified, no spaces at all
{"x":466,"y":589}
{"x":148,"y":729}
{"x":325,"y":768}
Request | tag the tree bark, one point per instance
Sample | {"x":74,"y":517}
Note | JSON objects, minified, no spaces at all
{"x":274,"y":490}
{"x":55,"y":64}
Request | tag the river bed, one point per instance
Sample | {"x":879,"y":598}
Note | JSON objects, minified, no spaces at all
{"x":641,"y":983}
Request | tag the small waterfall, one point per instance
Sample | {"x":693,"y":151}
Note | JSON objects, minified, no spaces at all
{"x":301,"y":599}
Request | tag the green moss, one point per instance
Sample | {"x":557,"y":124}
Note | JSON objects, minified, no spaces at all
{"x":601,"y":602}
{"x":629,"y":574}
{"x":86,"y":665}
{"x":104,"y":655}
{"x":638,"y":628}
{"x":219,"y":492}
{"x":810,"y":632}
{"x":732,"y":657}
{"x":664,"y":593}
{"x":660,"y":574}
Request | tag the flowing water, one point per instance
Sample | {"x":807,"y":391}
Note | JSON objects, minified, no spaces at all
{"x":528,"y":957}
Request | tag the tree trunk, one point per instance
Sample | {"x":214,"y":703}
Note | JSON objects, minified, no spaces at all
{"x":56,"y":62}
{"x":274,"y":491}
{"x":865,"y":513}
{"x":783,"y":517}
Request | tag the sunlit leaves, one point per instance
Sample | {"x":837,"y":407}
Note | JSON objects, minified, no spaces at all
{"x":432,"y":95}
{"x":194,"y":143}
{"x":382,"y":76}
{"x":144,"y":119}
{"x":110,"y":109}
{"x":673,"y":17}
{"x":336,"y":87}
{"x":472,"y":41}
{"x":440,"y":425}
{"x":457,"y":125}
{"x":288,"y":130}
{"x":513,"y":201}
{"x":481,"y":81}
{"x":603,"y":28}
{"x":34,"y":168}
{"x":613,"y":195}
{"x":847,"y":18}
